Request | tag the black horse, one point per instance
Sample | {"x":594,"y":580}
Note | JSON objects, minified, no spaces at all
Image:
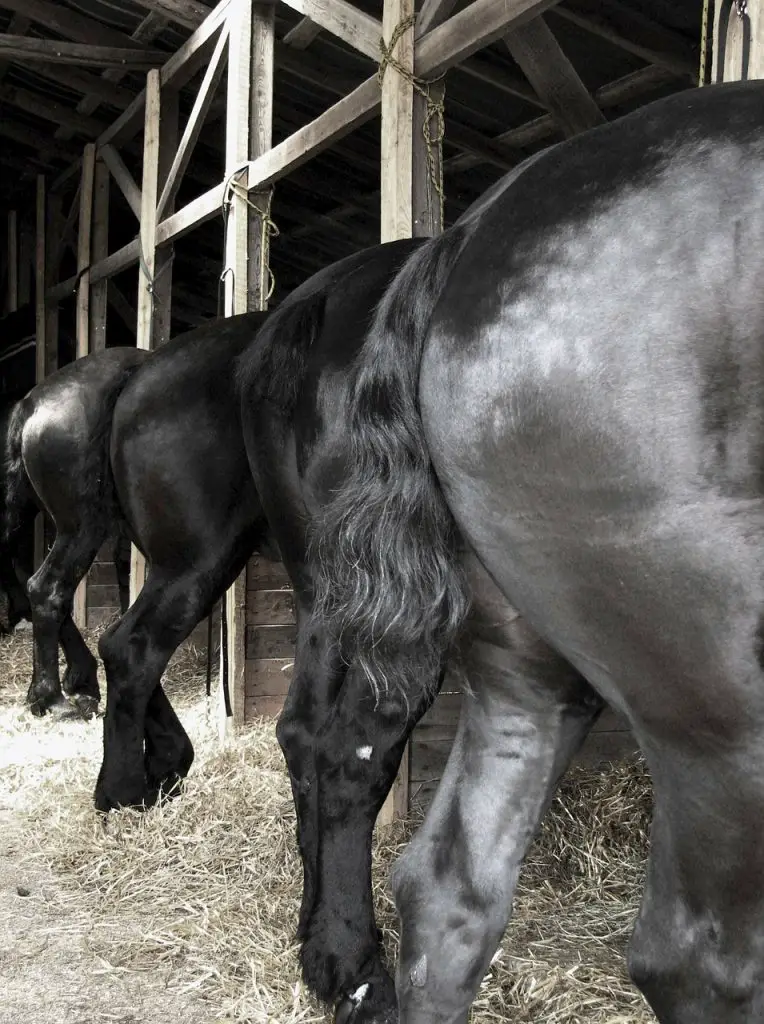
{"x":56,"y":460}
{"x":574,"y":376}
{"x":197,"y":503}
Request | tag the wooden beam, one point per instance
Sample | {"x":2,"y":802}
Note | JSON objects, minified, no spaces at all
{"x":19,"y":26}
{"x":54,"y":226}
{"x":163,"y":271}
{"x":195,"y":122}
{"x":116,"y":262}
{"x":189,"y":13}
{"x":396,"y":220}
{"x":343,"y":20}
{"x":87,"y":181}
{"x":99,"y":249}
{"x":536,"y":50}
{"x":20,"y":48}
{"x":397,"y":123}
{"x":260,"y":141}
{"x":122,"y":177}
{"x":67,"y":23}
{"x":39,"y":264}
{"x":431,"y":14}
{"x":12,"y":241}
{"x":83,"y":249}
{"x":631,"y":31}
{"x":738,"y":43}
{"x":474,"y":27}
{"x":148,"y":210}
{"x":26,"y":264}
{"x":58,"y":113}
{"x":147,"y":261}
{"x":98,"y":88}
{"x":302,"y":35}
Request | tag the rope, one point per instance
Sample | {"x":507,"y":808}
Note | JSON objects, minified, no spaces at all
{"x":435,"y":112}
{"x":268,"y":230}
{"x":151,"y":281}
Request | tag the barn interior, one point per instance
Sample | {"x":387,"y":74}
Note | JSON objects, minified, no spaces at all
{"x":72,"y":74}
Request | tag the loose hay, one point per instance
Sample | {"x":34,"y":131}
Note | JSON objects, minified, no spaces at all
{"x":205,"y":891}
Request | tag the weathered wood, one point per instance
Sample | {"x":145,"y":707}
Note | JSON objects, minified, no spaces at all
{"x":84,"y":233}
{"x":431,"y":14}
{"x":302,"y":35}
{"x":12,"y":261}
{"x":270,"y":607}
{"x":195,"y":123}
{"x":168,"y":144}
{"x":54,"y":225}
{"x":190,"y":13}
{"x":343,"y":20}
{"x":122,"y":177}
{"x":147,"y":261}
{"x":56,"y":113}
{"x":149,"y":189}
{"x":35,"y":140}
{"x":260,"y":141}
{"x":67,"y":22}
{"x":26,"y":262}
{"x":83,"y":248}
{"x":39,"y":263}
{"x":78,"y":54}
{"x":99,"y":249}
{"x":536,"y":50}
{"x":397,"y":122}
{"x":268,"y":677}
{"x":117,"y":261}
{"x":263,"y":574}
{"x":235,"y":301}
{"x":276,"y":641}
{"x":738,"y":43}
{"x":474,"y":27}
{"x":199,"y":210}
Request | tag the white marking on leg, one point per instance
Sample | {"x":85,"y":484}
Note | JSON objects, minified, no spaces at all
{"x":418,"y":973}
{"x":364,"y":753}
{"x":359,"y":994}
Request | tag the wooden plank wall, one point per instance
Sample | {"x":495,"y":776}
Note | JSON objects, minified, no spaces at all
{"x":270,"y":636}
{"x":102,"y":589}
{"x":269,"y":639}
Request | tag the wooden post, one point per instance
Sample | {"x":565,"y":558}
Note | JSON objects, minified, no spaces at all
{"x":248,"y":135}
{"x":13,"y":262}
{"x":147,"y":263}
{"x":100,"y":249}
{"x":79,"y":612}
{"x":396,"y":221}
{"x":55,"y":220}
{"x":39,"y":281}
{"x":26,"y":262}
{"x":738,"y":43}
{"x":168,"y":145}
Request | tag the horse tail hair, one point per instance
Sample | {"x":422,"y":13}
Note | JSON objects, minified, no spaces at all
{"x":16,"y":494}
{"x":390,"y":581}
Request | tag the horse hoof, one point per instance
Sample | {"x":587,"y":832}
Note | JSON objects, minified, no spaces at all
{"x":87,"y":706}
{"x":170,"y":787}
{"x":364,"y":1006}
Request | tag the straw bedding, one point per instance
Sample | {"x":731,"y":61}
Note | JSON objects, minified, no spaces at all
{"x":187,"y":912}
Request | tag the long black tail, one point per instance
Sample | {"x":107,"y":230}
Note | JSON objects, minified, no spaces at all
{"x":17,"y":501}
{"x":391,"y":581}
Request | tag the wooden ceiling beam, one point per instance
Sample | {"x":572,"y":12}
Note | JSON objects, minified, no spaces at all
{"x":302,"y":35}
{"x":49,"y":51}
{"x":58,"y":113}
{"x":87,"y":84}
{"x":68,"y":23}
{"x":544,"y":63}
{"x":19,"y":26}
{"x":633,"y":32}
{"x":189,"y":13}
{"x":35,"y":140}
{"x":344,"y":20}
{"x":432,"y":13}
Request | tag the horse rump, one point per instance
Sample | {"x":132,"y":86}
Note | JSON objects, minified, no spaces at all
{"x":390,"y":582}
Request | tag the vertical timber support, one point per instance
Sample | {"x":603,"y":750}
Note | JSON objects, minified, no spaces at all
{"x":738,"y":41}
{"x":12,"y":298}
{"x":79,"y":612}
{"x":26,"y":260}
{"x":100,"y":249}
{"x":39,"y":281}
{"x":248,"y":135}
{"x":168,"y":145}
{"x":147,"y":260}
{"x":396,"y":220}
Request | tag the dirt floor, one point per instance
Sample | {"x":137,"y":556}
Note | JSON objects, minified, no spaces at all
{"x":186,"y":913}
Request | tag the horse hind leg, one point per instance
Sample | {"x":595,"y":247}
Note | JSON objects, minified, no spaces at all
{"x":453,"y":885}
{"x":146,"y":751}
{"x":697,"y":952}
{"x":51,"y":595}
